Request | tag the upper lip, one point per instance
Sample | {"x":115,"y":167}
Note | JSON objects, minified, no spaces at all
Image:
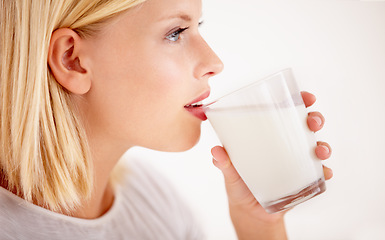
{"x":203,"y":96}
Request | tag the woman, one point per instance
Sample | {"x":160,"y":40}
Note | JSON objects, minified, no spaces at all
{"x":82,"y":82}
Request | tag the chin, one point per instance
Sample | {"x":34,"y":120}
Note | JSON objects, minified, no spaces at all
{"x":183,"y":142}
{"x":187,"y":146}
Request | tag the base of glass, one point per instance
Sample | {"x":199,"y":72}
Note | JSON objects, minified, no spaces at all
{"x":303,"y":195}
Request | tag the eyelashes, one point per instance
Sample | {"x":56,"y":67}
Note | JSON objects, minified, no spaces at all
{"x":174,"y":36}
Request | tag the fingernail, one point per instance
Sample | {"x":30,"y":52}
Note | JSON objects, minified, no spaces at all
{"x":325,"y":148}
{"x":318,"y":120}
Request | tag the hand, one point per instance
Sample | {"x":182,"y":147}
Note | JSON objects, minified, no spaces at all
{"x":249,"y":218}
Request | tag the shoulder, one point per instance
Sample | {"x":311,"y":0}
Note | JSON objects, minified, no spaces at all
{"x":140,"y":178}
{"x":146,"y":190}
{"x":13,"y":214}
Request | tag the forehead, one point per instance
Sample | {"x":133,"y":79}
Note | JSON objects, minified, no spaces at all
{"x":163,"y":10}
{"x":150,"y":16}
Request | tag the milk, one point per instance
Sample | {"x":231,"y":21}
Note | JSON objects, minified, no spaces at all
{"x":272,"y":149}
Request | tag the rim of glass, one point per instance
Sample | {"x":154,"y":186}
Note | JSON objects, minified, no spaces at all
{"x":257,"y":82}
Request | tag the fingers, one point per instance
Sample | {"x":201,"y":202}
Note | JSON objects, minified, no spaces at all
{"x":308,"y":98}
{"x":222,"y":161}
{"x":315,"y":121}
{"x":328,"y":173}
{"x":323,"y":150}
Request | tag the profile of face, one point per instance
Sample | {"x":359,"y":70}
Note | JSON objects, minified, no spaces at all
{"x":144,"y":67}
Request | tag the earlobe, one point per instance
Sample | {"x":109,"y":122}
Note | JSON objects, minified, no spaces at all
{"x":65,"y":61}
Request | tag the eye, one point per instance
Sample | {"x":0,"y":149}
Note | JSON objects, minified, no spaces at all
{"x":174,"y":36}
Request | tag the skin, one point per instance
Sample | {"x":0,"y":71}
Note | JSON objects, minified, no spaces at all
{"x":131,"y":82}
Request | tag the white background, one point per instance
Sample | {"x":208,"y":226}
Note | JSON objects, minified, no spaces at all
{"x":337,"y":51}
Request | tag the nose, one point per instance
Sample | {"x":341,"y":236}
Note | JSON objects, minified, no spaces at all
{"x":209,"y":64}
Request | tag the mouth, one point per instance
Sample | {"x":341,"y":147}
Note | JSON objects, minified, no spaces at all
{"x":195,"y":106}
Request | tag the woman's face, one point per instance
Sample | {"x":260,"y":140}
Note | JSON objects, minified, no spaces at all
{"x":146,"y":67}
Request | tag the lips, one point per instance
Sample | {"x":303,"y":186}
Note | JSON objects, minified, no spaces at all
{"x":195,"y":106}
{"x":198,"y":99}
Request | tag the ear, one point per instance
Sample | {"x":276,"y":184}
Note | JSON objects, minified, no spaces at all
{"x":65,"y":60}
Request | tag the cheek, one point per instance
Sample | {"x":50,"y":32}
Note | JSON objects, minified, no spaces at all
{"x":163,"y":123}
{"x":139,"y":98}
{"x":161,"y":81}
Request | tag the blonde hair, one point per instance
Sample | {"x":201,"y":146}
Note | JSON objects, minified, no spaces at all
{"x":44,"y":154}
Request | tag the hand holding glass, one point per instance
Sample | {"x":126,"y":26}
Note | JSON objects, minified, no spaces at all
{"x":264,"y":130}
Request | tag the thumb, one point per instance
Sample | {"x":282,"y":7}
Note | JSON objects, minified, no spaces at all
{"x":237,"y":190}
{"x":222,"y":161}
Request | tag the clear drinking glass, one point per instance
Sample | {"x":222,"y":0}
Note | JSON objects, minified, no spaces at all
{"x":263,"y":128}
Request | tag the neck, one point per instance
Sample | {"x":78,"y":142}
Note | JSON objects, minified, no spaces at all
{"x":105,"y":159}
{"x":100,"y":202}
{"x":102,"y":197}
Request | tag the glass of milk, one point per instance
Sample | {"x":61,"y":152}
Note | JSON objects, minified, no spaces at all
{"x":263,"y":128}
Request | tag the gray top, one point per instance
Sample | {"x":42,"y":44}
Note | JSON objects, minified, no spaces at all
{"x":145,"y":207}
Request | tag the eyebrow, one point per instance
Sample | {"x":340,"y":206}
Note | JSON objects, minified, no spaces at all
{"x":182,"y":16}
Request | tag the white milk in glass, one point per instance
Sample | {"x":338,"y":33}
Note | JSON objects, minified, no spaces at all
{"x":272,"y":149}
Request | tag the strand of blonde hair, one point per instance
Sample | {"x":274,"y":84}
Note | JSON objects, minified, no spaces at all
{"x":44,"y":155}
